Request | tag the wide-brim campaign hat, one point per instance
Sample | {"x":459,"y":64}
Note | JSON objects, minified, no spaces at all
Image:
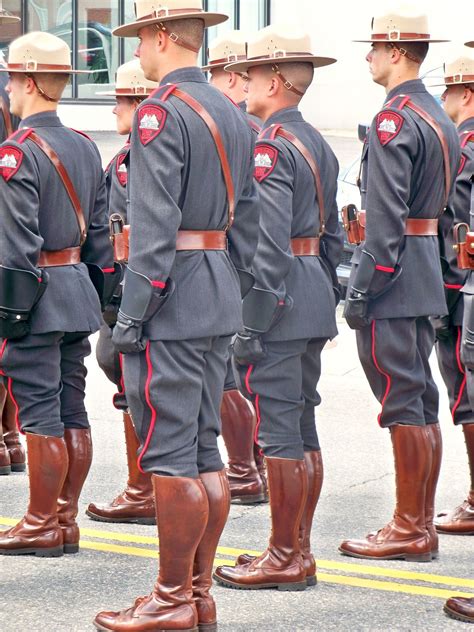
{"x":39,"y":52}
{"x":403,"y":24}
{"x":148,"y":12}
{"x":6,"y":17}
{"x":130,"y":81}
{"x":277,"y":44}
{"x":225,"y":49}
{"x":458,"y":71}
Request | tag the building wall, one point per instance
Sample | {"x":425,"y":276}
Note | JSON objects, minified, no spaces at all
{"x":343,"y":94}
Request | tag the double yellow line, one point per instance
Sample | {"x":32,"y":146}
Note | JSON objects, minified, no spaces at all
{"x":343,"y":573}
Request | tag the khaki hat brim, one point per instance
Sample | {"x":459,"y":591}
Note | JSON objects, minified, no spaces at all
{"x":43,"y":72}
{"x":400,"y":41}
{"x":132,"y":28}
{"x":112,"y":93}
{"x":243,"y":66}
{"x":212,"y":66}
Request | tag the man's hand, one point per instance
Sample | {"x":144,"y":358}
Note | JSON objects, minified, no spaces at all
{"x":248,"y":349}
{"x":127,"y":335}
{"x":441,"y":326}
{"x":356,"y":308}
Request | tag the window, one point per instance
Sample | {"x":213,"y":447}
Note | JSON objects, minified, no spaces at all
{"x":87,"y":25}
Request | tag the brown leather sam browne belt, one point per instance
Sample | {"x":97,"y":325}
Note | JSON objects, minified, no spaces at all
{"x":305,"y":246}
{"x":66,"y":257}
{"x":414,"y":227}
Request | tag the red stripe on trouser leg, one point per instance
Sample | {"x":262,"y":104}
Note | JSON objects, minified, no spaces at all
{"x":256,"y":403}
{"x":17,"y":417}
{"x":2,"y":351}
{"x":247,"y":379}
{"x":386,"y":375}
{"x":150,"y":406}
{"x":462,"y":370}
{"x":120,"y":393}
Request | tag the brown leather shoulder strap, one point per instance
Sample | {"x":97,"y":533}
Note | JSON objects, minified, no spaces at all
{"x":6,"y":116}
{"x":304,"y":151}
{"x":212,"y":126}
{"x":466,"y":137}
{"x":408,"y":103}
{"x":65,"y":179}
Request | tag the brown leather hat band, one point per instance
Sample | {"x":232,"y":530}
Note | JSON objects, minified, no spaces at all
{"x":138,"y":92}
{"x":33,"y":66}
{"x":164,"y":13}
{"x":227,"y":60}
{"x":280,"y":55}
{"x":400,"y":36}
{"x":460,"y":79}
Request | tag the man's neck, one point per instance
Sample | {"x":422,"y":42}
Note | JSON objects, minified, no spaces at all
{"x":168,"y":65}
{"x":463,"y":116}
{"x":399,"y":78}
{"x":38,"y":108}
{"x":276,"y":107}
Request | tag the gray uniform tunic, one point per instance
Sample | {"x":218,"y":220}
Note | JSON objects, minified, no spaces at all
{"x":403,"y":176}
{"x":448,"y":347}
{"x":14,"y":120}
{"x":45,"y":370}
{"x":283,"y":385}
{"x":174,"y":388}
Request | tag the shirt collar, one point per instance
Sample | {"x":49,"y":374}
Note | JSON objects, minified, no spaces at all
{"x":413,"y":86}
{"x":286,"y":115}
{"x":41,"y":119}
{"x":182,"y":75}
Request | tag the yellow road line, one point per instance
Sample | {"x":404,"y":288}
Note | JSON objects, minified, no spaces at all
{"x":353,"y":568}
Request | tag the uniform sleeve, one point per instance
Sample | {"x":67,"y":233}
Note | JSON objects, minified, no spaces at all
{"x":155,"y":185}
{"x":333,"y":238}
{"x":275,"y":173}
{"x":20,"y":241}
{"x":243,"y":235}
{"x":392,"y":143}
{"x":98,"y":248}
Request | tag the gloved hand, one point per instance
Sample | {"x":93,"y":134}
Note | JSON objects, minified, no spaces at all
{"x":441,"y":326}
{"x":127,"y":335}
{"x":248,"y":349}
{"x":467,"y":348}
{"x":356,"y":308}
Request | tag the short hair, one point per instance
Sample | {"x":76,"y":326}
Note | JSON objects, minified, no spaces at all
{"x":300,"y":74}
{"x":190,"y":30}
{"x":51,"y":84}
{"x":415,"y":51}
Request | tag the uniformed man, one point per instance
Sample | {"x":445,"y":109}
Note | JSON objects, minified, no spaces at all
{"x":408,"y":168}
{"x":462,"y":608}
{"x":136,"y":503}
{"x":289,"y":314}
{"x":458,"y":102}
{"x":53,"y":201}
{"x":12,"y":453}
{"x":191,"y":160}
{"x":245,"y":469}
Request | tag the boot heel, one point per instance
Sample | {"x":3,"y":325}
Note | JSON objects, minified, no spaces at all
{"x":311,"y":581}
{"x":18,"y":467}
{"x":5,"y":470}
{"x":70,"y":549}
{"x":54,"y":552}
{"x":421,"y":557}
{"x":207,"y":627}
{"x":293,"y":586}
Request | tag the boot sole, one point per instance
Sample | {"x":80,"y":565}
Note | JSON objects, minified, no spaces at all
{"x":456,"y":615}
{"x":102,"y":629}
{"x":148,"y":521}
{"x":71,"y":549}
{"x":290,"y":586}
{"x":249,"y":500}
{"x":422,"y":557}
{"x":18,"y":467}
{"x":311,"y":581}
{"x":207,"y":627}
{"x":446,"y":532}
{"x":5,"y":470}
{"x":53,"y":552}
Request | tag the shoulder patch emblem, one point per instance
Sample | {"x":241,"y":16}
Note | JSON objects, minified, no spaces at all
{"x":389,"y":125}
{"x":121,"y":170}
{"x":10,"y":161}
{"x":151,"y":121}
{"x":266,"y":158}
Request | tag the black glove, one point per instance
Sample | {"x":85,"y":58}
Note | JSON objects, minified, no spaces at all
{"x":356,"y":308}
{"x":441,"y":325}
{"x":248,"y":349}
{"x":467,"y":348}
{"x":12,"y":327}
{"x":127,"y":335}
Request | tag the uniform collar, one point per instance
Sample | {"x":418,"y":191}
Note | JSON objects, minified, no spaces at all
{"x":243,"y":106}
{"x":41,"y":119}
{"x":466,"y":126}
{"x":286,"y":115}
{"x":181,"y":75}
{"x":414,"y":86}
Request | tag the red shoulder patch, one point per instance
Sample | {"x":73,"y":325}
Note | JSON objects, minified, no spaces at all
{"x":266,"y":158}
{"x":151,"y":121}
{"x":389,"y":125}
{"x":10,"y":161}
{"x":121,"y":170}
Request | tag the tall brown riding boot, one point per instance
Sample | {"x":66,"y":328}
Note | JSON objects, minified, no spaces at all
{"x":436,"y":441}
{"x":11,"y":436}
{"x":5,"y":466}
{"x":38,"y":532}
{"x":460,"y":608}
{"x":238,"y":430}
{"x":406,"y":536}
{"x":135,"y":504}
{"x":218,"y":496}
{"x":314,"y":467}
{"x":79,"y":449}
{"x":182,"y":521}
{"x":460,"y":521}
{"x":281,"y":565}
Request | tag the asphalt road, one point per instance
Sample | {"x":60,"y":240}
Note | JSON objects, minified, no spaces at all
{"x":117,"y":563}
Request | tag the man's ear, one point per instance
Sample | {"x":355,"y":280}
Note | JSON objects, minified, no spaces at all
{"x":232,"y":79}
{"x":274,"y":86}
{"x":161,"y":40}
{"x":30,"y":85}
{"x":468,"y":96}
